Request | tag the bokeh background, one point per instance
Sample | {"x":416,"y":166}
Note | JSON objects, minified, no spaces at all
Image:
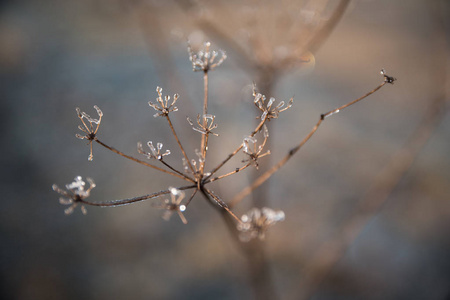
{"x":382,"y":166}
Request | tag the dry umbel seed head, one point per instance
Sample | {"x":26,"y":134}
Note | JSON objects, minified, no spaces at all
{"x":90,"y":128}
{"x":256,"y":222}
{"x":74,"y":194}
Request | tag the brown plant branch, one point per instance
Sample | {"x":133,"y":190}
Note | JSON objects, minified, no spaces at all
{"x":182,"y":176}
{"x":266,"y":175}
{"x":204,"y":141}
{"x":179,"y":144}
{"x":121,"y":202}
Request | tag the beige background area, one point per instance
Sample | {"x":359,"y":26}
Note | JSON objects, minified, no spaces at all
{"x":367,"y":197}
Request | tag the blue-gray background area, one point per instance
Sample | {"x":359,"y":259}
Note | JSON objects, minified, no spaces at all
{"x":59,"y":55}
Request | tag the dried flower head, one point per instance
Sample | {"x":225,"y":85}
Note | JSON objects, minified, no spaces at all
{"x":206,"y":124}
{"x":205,"y":60}
{"x":91,"y":129}
{"x":255,"y":223}
{"x":173,"y":205}
{"x":74,"y":194}
{"x":266,"y":108}
{"x":154,"y":152}
{"x":164,"y":108}
{"x":253,"y":152}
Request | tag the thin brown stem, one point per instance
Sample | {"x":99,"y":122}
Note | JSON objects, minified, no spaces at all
{"x":191,"y":197}
{"x":113,"y":203}
{"x":230,"y":173}
{"x":266,"y":175}
{"x":173,"y":169}
{"x":204,"y":142}
{"x":336,"y":110}
{"x":182,"y":176}
{"x":221,"y":204}
{"x":179,"y":144}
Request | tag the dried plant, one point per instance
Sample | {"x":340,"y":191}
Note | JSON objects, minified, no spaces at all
{"x":252,"y":225}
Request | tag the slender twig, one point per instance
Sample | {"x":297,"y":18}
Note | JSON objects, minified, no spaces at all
{"x":336,"y":110}
{"x":228,"y":174}
{"x":182,"y":176}
{"x":121,"y":202}
{"x":221,"y":203}
{"x":191,"y":197}
{"x":204,"y":141}
{"x":173,"y":169}
{"x":179,"y":144}
{"x":266,"y":175}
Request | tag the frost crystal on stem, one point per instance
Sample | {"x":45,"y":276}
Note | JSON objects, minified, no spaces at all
{"x":266,"y":107}
{"x":91,"y":129}
{"x":74,"y":194}
{"x":173,"y":205}
{"x":205,"y":60}
{"x":154,"y":152}
{"x":255,"y":223}
{"x":162,"y":105}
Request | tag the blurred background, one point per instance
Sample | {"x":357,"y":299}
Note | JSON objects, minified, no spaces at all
{"x":366,"y":199}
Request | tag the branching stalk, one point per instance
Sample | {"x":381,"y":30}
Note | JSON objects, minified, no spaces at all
{"x":121,"y":202}
{"x":266,"y":175}
{"x":182,"y":176}
{"x":179,"y":144}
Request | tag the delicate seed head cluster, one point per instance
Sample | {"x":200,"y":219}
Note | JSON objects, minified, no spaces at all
{"x":255,"y":223}
{"x":155,"y":153}
{"x":205,"y":59}
{"x":90,"y":127}
{"x":173,"y":205}
{"x":268,"y":111}
{"x":162,"y":105}
{"x":205,"y":123}
{"x":74,"y":194}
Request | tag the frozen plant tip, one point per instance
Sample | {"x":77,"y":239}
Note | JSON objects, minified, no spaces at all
{"x":205,"y":60}
{"x":255,"y":223}
{"x":91,"y":129}
{"x":387,"y":78}
{"x":154,"y":152}
{"x":266,"y":108}
{"x":74,"y":194}
{"x":206,"y":126}
{"x":163,"y":104}
{"x":173,"y":205}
